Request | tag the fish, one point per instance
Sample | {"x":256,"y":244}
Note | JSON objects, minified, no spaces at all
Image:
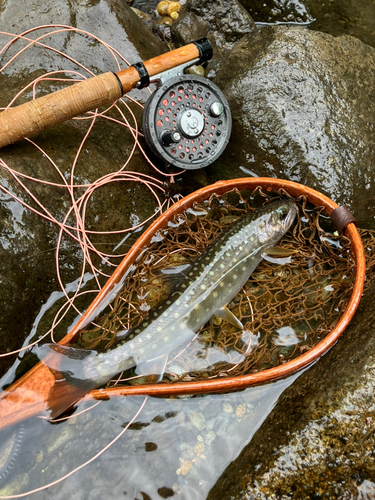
{"x":203,"y":292}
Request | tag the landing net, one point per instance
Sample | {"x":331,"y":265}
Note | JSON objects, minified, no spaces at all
{"x":286,"y":309}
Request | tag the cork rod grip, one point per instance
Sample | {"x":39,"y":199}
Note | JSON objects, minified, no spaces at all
{"x":35,"y":116}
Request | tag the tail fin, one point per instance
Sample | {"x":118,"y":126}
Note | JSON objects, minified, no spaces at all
{"x":71,"y":384}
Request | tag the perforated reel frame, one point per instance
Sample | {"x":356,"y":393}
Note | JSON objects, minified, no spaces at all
{"x":193,"y":110}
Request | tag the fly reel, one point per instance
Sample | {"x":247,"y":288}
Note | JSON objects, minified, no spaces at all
{"x":187,"y":122}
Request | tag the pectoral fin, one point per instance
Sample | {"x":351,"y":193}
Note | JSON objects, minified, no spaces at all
{"x":225,"y":314}
{"x":155,"y":366}
{"x":280,"y":251}
{"x":278,"y":255}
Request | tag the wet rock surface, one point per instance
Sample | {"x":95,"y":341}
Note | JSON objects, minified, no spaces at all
{"x":336,"y":17}
{"x":223,"y":22}
{"x":28,"y":242}
{"x":112,"y":21}
{"x":276,"y":11}
{"x":302,"y":106}
{"x":318,"y":441}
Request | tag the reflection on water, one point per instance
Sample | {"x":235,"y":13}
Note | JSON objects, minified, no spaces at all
{"x":175,"y":447}
{"x":285,"y":336}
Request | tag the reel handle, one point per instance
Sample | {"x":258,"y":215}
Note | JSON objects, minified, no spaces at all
{"x":37,"y":115}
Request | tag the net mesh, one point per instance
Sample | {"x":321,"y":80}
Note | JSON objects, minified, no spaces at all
{"x":286,"y":308}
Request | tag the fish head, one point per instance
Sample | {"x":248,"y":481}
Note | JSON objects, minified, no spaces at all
{"x":277,"y":218}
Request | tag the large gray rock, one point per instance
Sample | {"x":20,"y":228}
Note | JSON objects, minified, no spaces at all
{"x":28,"y":242}
{"x":112,"y":21}
{"x":223,"y":22}
{"x":303,"y":109}
{"x":318,"y":440}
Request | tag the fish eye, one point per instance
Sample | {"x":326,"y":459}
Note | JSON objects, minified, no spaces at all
{"x":283,"y":213}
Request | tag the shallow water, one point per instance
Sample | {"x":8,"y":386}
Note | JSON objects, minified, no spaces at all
{"x":175,"y":448}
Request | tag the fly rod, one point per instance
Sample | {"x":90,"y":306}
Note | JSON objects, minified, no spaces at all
{"x":37,"y":115}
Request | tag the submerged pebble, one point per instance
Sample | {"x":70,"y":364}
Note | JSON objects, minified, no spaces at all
{"x":186,"y":467}
{"x":66,"y":435}
{"x":197,"y":419}
{"x":16,"y":485}
{"x":210,"y":438}
{"x":227,"y":408}
{"x":240,"y":411}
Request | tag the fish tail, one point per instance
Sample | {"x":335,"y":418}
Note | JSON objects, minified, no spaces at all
{"x":67,"y":365}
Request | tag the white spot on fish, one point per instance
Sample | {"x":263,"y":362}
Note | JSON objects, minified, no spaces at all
{"x":176,"y":315}
{"x":137,"y":330}
{"x":234,"y":276}
{"x":159,"y":329}
{"x":215,"y":294}
{"x":221,"y":283}
{"x":222,"y":266}
{"x":203,"y":287}
{"x":166,"y":338}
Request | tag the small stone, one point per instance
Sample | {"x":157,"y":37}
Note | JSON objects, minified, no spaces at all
{"x":222,"y":423}
{"x":186,"y":467}
{"x":187,"y":454}
{"x":232,"y":426}
{"x":39,"y":457}
{"x":200,"y":438}
{"x":227,"y":408}
{"x":240,"y":411}
{"x":210,"y":437}
{"x":16,"y":485}
{"x":199,"y":449}
{"x":178,"y":471}
{"x":65,"y":435}
{"x":197,"y":419}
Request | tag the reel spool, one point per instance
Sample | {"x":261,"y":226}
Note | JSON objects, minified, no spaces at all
{"x":187,"y":122}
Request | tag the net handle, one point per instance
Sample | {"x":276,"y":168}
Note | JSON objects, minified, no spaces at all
{"x":37,"y":115}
